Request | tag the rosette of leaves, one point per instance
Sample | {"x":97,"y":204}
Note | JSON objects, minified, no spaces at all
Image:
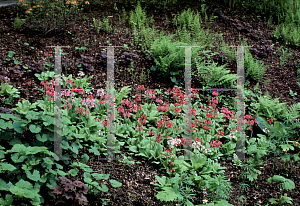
{"x":72,"y":190}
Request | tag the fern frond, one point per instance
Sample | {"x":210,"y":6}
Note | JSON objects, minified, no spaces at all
{"x":293,"y":113}
{"x":122,"y":94}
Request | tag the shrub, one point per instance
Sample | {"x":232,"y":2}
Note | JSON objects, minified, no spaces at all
{"x":45,"y":16}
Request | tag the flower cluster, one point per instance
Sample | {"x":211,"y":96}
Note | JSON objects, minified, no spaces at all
{"x":100,"y":92}
{"x":49,"y":88}
{"x":173,"y":142}
{"x":158,"y":137}
{"x":163,"y":108}
{"x":67,"y":93}
{"x":266,"y":130}
{"x":220,"y":132}
{"x":164,"y":122}
{"x":7,"y":80}
{"x":151,"y":93}
{"x":142,"y":121}
{"x":81,"y":110}
{"x":270,"y":120}
{"x":167,"y":152}
{"x":215,"y":143}
{"x":69,"y":82}
{"x":171,"y":165}
{"x":89,"y":102}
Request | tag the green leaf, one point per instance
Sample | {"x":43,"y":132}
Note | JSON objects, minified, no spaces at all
{"x":73,"y":172}
{"x":286,"y":147}
{"x":17,"y":126}
{"x":104,"y":188}
{"x":94,"y":150}
{"x":169,"y":194}
{"x":273,"y":200}
{"x":87,"y":177}
{"x":42,"y":138}
{"x":100,"y":176}
{"x":288,"y":184}
{"x":276,"y":178}
{"x":4,"y":166}
{"x":189,"y":203}
{"x":133,"y":149}
{"x":17,"y":158}
{"x":35,"y":176}
{"x":8,"y":200}
{"x":35,"y":128}
{"x":48,"y":120}
{"x":285,"y":199}
{"x":161,"y":180}
{"x":75,"y":147}
{"x":115,"y":183}
{"x":85,"y":158}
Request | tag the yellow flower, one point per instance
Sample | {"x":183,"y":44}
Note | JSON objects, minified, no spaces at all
{"x":30,"y":9}
{"x":27,"y":12}
{"x":20,"y":0}
{"x":25,"y":4}
{"x":37,"y":5}
{"x":33,"y":6}
{"x":68,"y":2}
{"x":87,"y":2}
{"x":74,"y":2}
{"x":47,"y":14}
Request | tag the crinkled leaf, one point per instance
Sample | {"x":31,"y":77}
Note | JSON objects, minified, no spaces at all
{"x":94,"y":150}
{"x":8,"y":200}
{"x":35,"y":176}
{"x":17,"y":158}
{"x":82,"y":200}
{"x":168,"y":194}
{"x":4,"y":166}
{"x":288,"y":185}
{"x":285,"y":199}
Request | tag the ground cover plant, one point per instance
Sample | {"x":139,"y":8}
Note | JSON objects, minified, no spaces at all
{"x":149,"y":142}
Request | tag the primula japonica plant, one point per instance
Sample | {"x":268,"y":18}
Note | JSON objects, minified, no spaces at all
{"x":156,"y":144}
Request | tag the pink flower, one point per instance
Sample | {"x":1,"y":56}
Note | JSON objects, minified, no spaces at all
{"x":141,"y":87}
